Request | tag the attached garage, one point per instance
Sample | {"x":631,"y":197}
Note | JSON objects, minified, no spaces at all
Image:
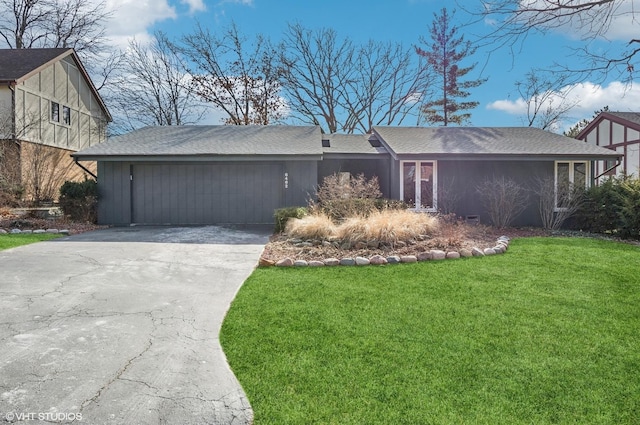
{"x":204,"y":174}
{"x":206,"y":193}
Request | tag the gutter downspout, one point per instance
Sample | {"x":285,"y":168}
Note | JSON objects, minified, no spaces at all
{"x":75,"y":160}
{"x":14,"y":136}
{"x":618,"y":162}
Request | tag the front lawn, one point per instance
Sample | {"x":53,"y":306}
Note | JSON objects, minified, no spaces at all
{"x":545,"y":334}
{"x":14,"y":240}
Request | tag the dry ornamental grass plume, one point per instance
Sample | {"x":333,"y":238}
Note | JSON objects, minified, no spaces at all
{"x":313,"y":226}
{"x":388,"y":226}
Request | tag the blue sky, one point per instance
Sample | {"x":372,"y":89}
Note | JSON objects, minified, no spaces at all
{"x":402,"y":21}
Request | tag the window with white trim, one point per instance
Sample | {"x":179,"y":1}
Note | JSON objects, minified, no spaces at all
{"x":418,"y":184}
{"x":569,"y":177}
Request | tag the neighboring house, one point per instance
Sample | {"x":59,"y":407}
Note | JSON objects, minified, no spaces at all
{"x":619,"y":131}
{"x":49,"y":108}
{"x":240,"y":174}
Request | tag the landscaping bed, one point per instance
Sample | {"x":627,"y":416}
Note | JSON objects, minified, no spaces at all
{"x":23,"y":221}
{"x":452,"y":237}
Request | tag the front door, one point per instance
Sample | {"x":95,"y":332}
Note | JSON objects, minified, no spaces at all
{"x":419,"y":188}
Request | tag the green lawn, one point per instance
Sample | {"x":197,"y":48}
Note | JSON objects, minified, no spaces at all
{"x":13,"y":240}
{"x":548,"y":333}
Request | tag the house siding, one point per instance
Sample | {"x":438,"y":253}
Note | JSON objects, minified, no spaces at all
{"x":200,"y":192}
{"x":63,"y":83}
{"x":463,"y":177}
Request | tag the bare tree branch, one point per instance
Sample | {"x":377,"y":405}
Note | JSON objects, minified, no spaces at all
{"x":591,"y":20}
{"x":239,"y":78}
{"x":152,"y":88}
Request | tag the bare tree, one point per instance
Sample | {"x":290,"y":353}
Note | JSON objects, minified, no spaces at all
{"x":21,"y":22}
{"x":388,"y":85}
{"x":547,"y":98}
{"x":345,"y":87}
{"x":78,"y":24}
{"x":590,"y":19}
{"x":317,"y":68}
{"x":235,"y":76}
{"x":153,"y":89}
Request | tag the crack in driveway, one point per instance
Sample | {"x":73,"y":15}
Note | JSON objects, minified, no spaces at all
{"x":121,"y":331}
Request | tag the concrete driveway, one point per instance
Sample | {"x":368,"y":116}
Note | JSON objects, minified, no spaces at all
{"x":120,"y":326}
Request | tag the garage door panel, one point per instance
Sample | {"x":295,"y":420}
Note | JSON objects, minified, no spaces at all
{"x":205,"y":193}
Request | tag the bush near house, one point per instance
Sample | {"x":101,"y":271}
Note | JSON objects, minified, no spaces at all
{"x":282,"y":216}
{"x":78,"y":200}
{"x":611,"y":207}
{"x":342,"y":195}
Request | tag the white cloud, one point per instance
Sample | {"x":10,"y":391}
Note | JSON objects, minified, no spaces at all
{"x":195,"y":5}
{"x":588,"y":97}
{"x":132,"y":18}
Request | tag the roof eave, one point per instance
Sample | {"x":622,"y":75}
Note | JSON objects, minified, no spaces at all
{"x":193,"y":158}
{"x":509,"y":157}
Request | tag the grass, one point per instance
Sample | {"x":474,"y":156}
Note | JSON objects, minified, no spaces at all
{"x":545,"y":334}
{"x":14,"y":240}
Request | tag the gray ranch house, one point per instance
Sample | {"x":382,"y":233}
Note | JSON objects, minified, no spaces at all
{"x":185,"y":175}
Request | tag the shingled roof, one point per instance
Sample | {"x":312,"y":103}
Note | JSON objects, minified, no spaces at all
{"x":210,"y":140}
{"x":485,"y":141}
{"x":351,"y":144}
{"x":17,"y":64}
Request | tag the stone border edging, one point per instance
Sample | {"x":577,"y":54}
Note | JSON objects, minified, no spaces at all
{"x":37,"y":231}
{"x":502,"y":244}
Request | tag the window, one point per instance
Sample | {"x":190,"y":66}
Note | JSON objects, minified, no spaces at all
{"x":66,"y":115}
{"x":418,"y":184}
{"x":55,"y":112}
{"x":570,"y":176}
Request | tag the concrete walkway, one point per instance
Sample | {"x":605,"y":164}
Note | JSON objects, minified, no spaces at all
{"x":120,"y":326}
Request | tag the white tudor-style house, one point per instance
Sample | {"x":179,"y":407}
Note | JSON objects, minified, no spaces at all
{"x":620,"y":132}
{"x":49,"y":108}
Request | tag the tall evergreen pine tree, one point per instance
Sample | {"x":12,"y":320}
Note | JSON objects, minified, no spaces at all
{"x":444,"y":56}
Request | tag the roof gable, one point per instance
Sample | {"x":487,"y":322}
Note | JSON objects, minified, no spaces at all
{"x":211,"y":140}
{"x":484,"y":141}
{"x":16,"y":65}
{"x":629,"y":119}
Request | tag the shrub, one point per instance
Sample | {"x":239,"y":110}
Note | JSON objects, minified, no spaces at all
{"x":504,"y":200}
{"x":78,"y":200}
{"x":630,"y":209}
{"x":341,"y":195}
{"x":600,"y":211}
{"x":282,"y":216}
{"x":571,"y":199}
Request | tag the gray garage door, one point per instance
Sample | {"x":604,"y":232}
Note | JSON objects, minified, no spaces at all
{"x":206,"y":193}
